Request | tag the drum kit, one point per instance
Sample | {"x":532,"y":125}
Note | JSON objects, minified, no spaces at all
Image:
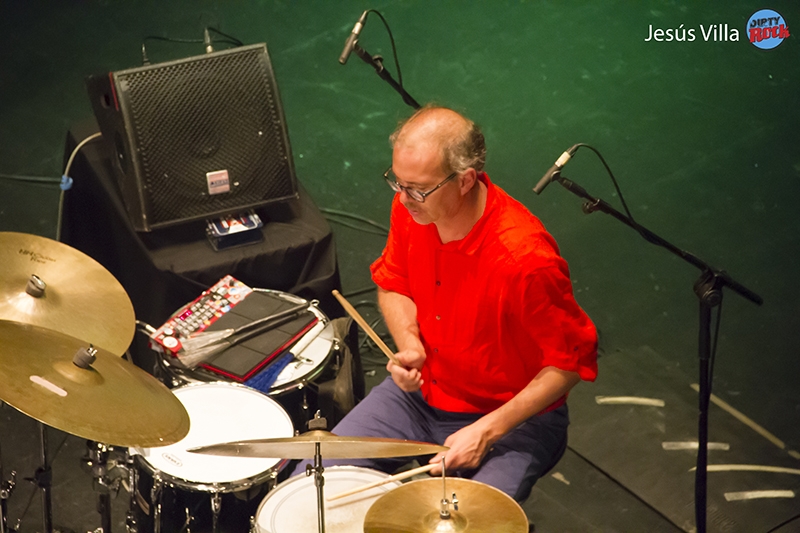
{"x":202,"y":455}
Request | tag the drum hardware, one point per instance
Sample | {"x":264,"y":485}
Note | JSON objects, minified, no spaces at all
{"x":108,"y":476}
{"x":65,"y":322}
{"x":318,"y":442}
{"x":178,"y":492}
{"x":6,"y":488}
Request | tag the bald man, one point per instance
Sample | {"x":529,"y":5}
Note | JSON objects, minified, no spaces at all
{"x":480,"y":305}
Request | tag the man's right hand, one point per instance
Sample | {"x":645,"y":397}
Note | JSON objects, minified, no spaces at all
{"x":407,"y":374}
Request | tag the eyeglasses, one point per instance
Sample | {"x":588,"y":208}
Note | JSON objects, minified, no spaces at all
{"x":414,"y":194}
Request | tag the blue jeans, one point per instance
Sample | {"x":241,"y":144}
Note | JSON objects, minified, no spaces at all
{"x":512,"y":465}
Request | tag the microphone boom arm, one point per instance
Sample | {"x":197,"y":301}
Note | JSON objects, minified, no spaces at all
{"x":376,"y":62}
{"x":596,"y":204}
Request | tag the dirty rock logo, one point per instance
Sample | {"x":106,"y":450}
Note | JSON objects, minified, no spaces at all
{"x":766,"y":29}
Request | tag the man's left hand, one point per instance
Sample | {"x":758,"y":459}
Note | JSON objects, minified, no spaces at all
{"x":468,"y":446}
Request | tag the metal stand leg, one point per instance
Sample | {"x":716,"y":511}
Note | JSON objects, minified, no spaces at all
{"x":98,"y":456}
{"x":6,"y":488}
{"x":155,"y":504}
{"x":216,"y":507}
{"x":131,"y":525}
{"x":43,"y":479}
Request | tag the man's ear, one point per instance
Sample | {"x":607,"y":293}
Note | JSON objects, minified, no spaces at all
{"x":467,"y":180}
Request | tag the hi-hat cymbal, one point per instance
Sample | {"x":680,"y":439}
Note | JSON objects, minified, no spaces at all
{"x":112,"y":401}
{"x":415,"y":508}
{"x":331,"y":447}
{"x":80,"y":298}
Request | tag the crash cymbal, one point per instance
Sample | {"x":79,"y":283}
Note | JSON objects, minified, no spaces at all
{"x":331,"y":447}
{"x":111,"y":401}
{"x":415,"y":508}
{"x":79,"y":297}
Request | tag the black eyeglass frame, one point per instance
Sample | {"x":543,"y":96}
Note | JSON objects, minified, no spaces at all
{"x":414,"y":194}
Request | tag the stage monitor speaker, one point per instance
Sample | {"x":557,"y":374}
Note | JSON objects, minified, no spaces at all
{"x":197,"y":137}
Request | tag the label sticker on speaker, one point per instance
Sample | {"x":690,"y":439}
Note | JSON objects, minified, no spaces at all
{"x":218,"y":182}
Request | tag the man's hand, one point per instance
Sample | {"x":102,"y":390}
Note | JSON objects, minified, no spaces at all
{"x":407,"y":375}
{"x":468,"y":446}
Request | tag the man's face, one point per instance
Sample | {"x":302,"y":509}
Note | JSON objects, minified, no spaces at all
{"x":421,"y":168}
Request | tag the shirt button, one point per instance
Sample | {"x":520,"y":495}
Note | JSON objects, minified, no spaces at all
{"x":436,"y":350}
{"x":434,"y":382}
{"x":438,"y":282}
{"x":438,"y":317}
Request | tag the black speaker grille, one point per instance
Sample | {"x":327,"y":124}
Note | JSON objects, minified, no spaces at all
{"x":204,"y":114}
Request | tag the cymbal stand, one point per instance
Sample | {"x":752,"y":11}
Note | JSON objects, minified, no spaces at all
{"x":43,"y":478}
{"x":444,"y":512}
{"x":6,"y":488}
{"x":319,"y":479}
{"x":98,"y":459}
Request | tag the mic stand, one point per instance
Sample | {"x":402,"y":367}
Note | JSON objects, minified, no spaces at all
{"x":708,"y":289}
{"x":376,"y":62}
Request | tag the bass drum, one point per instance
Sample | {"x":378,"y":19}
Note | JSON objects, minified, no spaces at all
{"x":292,"y":506}
{"x":294,"y":387}
{"x":176,"y":490}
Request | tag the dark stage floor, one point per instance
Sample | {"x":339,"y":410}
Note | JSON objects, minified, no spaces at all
{"x":701,"y":135}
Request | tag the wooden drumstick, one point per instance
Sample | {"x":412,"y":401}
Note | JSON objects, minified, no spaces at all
{"x":368,"y":330}
{"x":396,"y":477}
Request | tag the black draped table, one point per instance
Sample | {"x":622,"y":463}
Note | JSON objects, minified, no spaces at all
{"x":167,"y":268}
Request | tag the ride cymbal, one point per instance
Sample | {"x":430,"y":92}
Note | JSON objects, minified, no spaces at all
{"x":415,"y":508}
{"x":110,"y":401}
{"x":48,"y":284}
{"x":331,"y":447}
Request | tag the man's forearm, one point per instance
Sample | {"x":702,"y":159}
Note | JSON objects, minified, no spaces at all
{"x":547,"y":387}
{"x":400,"y":314}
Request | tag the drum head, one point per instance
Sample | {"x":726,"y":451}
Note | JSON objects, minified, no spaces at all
{"x":292,"y":505}
{"x":220,"y":412}
{"x":312,"y":360}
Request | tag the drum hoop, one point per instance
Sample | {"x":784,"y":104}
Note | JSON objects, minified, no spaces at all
{"x":303,"y":380}
{"x":173,"y":481}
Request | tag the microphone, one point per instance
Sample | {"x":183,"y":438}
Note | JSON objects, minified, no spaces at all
{"x":556,"y":168}
{"x":352,"y":39}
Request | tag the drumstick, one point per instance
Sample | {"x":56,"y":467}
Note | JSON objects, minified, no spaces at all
{"x":368,"y":330}
{"x":396,"y":477}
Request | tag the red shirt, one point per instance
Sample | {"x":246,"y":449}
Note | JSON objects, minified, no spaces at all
{"x":494,"y":308}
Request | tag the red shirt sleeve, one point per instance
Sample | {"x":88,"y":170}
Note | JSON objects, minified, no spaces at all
{"x":553,"y":320}
{"x":390,"y":270}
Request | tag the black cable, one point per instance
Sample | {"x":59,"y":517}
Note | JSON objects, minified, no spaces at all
{"x":394,"y":48}
{"x":613,"y":179}
{"x":785,"y":522}
{"x":361,"y":291}
{"x":232,"y":39}
{"x":346,"y":214}
{"x":228,"y":40}
{"x":353,"y":226}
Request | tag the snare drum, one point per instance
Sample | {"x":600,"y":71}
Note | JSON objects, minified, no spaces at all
{"x":292,"y":506}
{"x":290,"y":387}
{"x":175,"y":488}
